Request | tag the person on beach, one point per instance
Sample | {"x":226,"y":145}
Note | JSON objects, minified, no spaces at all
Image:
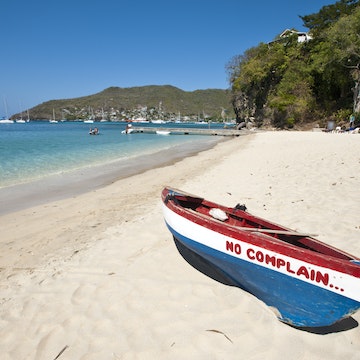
{"x":352,"y":121}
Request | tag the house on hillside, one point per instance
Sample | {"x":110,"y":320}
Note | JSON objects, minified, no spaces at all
{"x":302,"y":36}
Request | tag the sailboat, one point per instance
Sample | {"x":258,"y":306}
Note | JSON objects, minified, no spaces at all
{"x":6,"y":120}
{"x":90,"y":119}
{"x":53,"y":120}
{"x":21,"y":120}
{"x":178,"y":120}
{"x":103,"y":119}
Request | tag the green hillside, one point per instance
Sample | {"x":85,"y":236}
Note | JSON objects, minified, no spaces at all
{"x":153,"y":101}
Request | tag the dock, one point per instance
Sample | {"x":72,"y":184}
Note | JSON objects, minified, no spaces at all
{"x":187,"y":131}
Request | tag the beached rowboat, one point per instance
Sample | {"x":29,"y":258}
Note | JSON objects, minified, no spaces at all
{"x":307,"y":283}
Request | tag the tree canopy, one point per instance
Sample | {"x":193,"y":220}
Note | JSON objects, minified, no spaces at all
{"x":287,"y":82}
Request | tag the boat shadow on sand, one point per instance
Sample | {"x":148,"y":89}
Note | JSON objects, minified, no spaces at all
{"x":216,"y":274}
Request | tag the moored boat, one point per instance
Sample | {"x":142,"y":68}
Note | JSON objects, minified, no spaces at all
{"x":163,"y":132}
{"x":306,"y":283}
{"x":6,"y":121}
{"x":53,"y":120}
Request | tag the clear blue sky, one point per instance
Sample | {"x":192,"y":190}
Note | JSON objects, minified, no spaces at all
{"x":72,"y":48}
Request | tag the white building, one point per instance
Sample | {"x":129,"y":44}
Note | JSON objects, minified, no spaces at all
{"x":302,"y":36}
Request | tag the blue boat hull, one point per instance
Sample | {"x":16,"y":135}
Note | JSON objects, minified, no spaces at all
{"x":294,"y":301}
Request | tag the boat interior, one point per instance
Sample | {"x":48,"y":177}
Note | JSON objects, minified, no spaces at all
{"x":244,"y":221}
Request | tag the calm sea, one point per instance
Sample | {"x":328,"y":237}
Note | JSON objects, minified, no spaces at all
{"x":35,"y":150}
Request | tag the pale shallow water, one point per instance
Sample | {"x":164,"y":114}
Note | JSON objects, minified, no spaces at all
{"x":42,"y":162}
{"x":35,"y":150}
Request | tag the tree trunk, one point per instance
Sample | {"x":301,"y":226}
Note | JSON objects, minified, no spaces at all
{"x":357,"y":97}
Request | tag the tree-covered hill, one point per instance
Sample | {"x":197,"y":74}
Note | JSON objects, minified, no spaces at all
{"x":146,"y":101}
{"x":289,"y":83}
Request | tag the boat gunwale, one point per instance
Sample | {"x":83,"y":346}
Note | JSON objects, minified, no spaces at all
{"x":271,"y":243}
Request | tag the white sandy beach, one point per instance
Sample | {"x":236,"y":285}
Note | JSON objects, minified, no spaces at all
{"x":97,"y":275}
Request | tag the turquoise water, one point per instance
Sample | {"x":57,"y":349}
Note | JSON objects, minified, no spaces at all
{"x":34,"y":150}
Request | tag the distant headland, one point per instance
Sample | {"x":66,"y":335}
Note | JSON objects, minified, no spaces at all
{"x":150,"y":102}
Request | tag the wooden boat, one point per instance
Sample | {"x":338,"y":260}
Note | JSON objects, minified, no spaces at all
{"x":307,"y":283}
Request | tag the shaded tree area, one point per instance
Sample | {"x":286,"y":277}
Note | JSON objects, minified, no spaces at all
{"x":288,"y":83}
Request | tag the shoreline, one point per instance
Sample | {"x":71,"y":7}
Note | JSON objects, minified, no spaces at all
{"x":73,"y":183}
{"x":97,"y":275}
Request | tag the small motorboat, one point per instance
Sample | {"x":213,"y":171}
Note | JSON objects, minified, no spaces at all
{"x":94,"y":131}
{"x":306,"y":283}
{"x":128,"y":129}
{"x":163,"y":132}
